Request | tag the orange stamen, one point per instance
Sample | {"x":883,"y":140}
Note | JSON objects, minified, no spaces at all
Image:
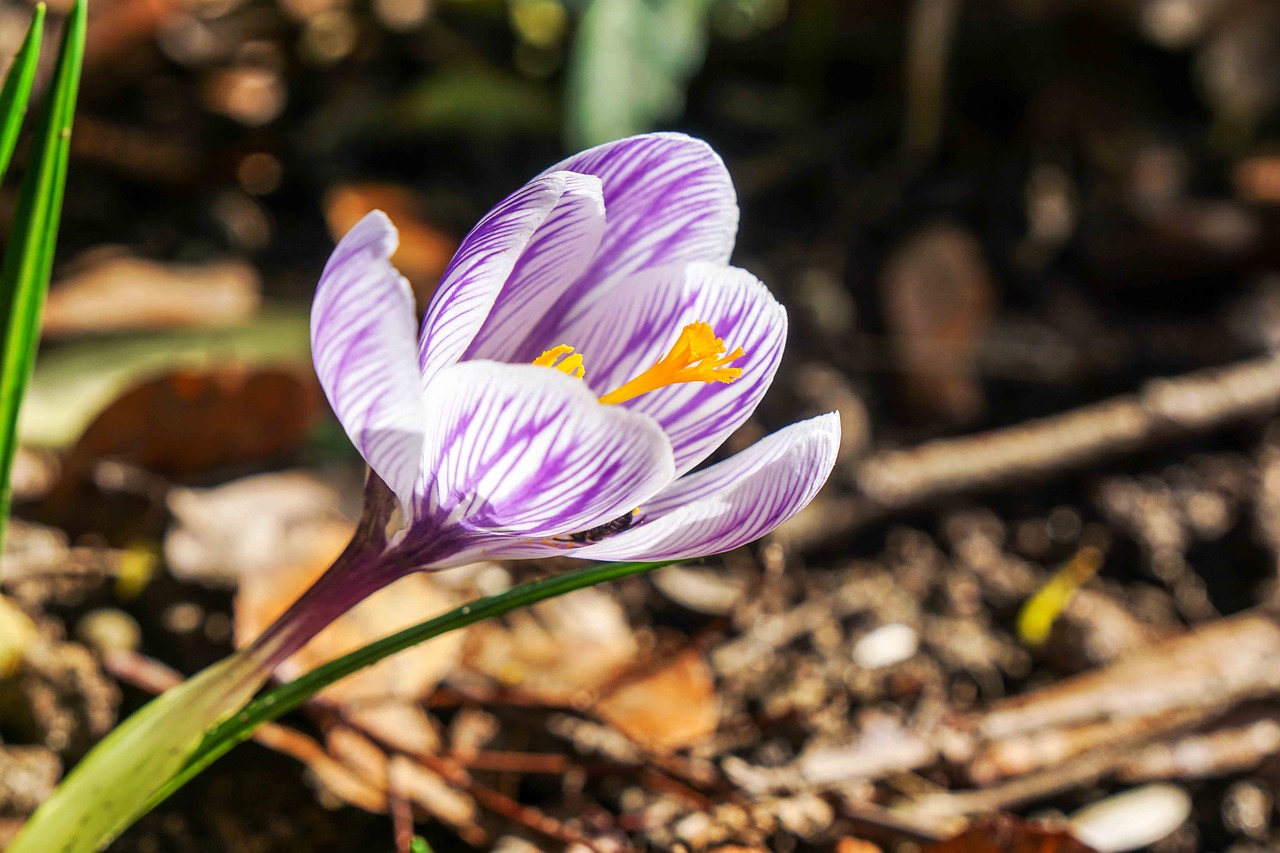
{"x":697,"y":356}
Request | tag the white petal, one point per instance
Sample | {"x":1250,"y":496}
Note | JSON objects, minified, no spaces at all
{"x":527,"y":451}
{"x":733,"y":502}
{"x":489,"y":256}
{"x":669,"y":199}
{"x":362,"y":342}
{"x":554,"y":257}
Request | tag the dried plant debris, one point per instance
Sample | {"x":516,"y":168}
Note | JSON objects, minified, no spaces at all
{"x":52,"y":692}
{"x":110,"y":292}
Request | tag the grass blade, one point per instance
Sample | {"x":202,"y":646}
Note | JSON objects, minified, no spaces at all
{"x":17,"y":88}
{"x":28,"y":259}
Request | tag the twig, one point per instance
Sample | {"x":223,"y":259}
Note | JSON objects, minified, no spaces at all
{"x":931,"y":30}
{"x":1163,"y":410}
{"x":401,"y":820}
{"x":500,"y":804}
{"x":1217,"y":666}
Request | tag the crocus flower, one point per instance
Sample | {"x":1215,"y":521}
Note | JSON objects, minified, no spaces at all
{"x":588,"y":348}
{"x":572,"y":370}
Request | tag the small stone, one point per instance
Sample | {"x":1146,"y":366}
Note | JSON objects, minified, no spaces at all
{"x":1136,"y":818}
{"x":710,"y":591}
{"x":183,"y":617}
{"x":109,"y":630}
{"x":887,"y":645}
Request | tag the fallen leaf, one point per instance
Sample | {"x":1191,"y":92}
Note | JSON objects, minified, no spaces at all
{"x":939,"y":299}
{"x":111,"y":292}
{"x":559,"y":652}
{"x":400,"y":726}
{"x":431,"y":792}
{"x":250,"y":525}
{"x":665,"y":709}
{"x":176,"y":403}
{"x":193,"y":421}
{"x":855,"y":845}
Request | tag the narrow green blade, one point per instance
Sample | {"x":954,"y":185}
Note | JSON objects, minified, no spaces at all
{"x":28,"y":258}
{"x":17,"y":89}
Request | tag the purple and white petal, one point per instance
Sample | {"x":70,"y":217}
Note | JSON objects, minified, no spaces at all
{"x":490,"y":254}
{"x":555,"y":256}
{"x":669,"y":199}
{"x":362,"y":343}
{"x":626,"y":334}
{"x":733,"y":502}
{"x":528,"y":451}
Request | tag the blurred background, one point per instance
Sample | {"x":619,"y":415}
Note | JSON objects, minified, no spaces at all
{"x":1051,"y":191}
{"x":979,"y":214}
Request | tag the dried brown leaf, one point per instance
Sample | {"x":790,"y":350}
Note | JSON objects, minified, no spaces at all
{"x":424,"y":250}
{"x":112,"y":292}
{"x":665,"y":709}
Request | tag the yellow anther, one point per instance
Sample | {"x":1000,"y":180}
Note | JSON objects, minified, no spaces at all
{"x":570,"y":364}
{"x":697,"y":356}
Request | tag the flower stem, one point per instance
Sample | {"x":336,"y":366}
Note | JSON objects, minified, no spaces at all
{"x":286,"y":697}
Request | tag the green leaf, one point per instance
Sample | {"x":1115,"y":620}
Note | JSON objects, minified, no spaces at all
{"x":110,"y":788}
{"x":28,"y":259}
{"x":629,"y":65}
{"x":17,"y":88}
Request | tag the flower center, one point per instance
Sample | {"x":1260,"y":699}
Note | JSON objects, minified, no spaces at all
{"x":697,"y":356}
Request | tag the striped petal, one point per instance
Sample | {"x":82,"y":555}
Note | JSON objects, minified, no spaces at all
{"x":527,"y":451}
{"x":669,"y":200}
{"x":554,"y":257}
{"x":626,"y":334}
{"x":362,"y":342}
{"x":733,"y":502}
{"x":553,"y":222}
